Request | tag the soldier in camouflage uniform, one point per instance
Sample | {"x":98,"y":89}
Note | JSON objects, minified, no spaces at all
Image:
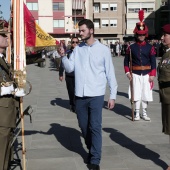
{"x":164,"y":81}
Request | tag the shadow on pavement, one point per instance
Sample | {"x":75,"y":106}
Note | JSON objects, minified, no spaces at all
{"x":122,"y":94}
{"x":60,"y":102}
{"x":120,"y":110}
{"x":69,"y":138}
{"x":156,"y":90}
{"x":138,"y":149}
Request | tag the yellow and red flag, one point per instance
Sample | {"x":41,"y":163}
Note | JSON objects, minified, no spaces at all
{"x":34,"y":35}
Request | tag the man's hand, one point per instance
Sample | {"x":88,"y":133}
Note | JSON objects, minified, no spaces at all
{"x":111,"y":103}
{"x":61,"y":78}
{"x":129,"y":76}
{"x":151,"y":78}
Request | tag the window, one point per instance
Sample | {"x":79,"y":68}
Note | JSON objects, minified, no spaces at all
{"x":105,"y":23}
{"x":96,"y":7}
{"x":96,"y":23}
{"x":131,"y":23}
{"x":105,"y":7}
{"x":58,"y":23}
{"x":150,"y":10}
{"x":148,"y":7}
{"x":113,"y":7}
{"x":58,"y":6}
{"x":136,"y":6}
{"x":113,"y":22}
{"x":133,"y":10}
{"x":32,"y":6}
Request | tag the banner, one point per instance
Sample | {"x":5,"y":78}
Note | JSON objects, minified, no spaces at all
{"x":34,"y":35}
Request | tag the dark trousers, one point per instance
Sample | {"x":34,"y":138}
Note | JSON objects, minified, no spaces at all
{"x":57,"y":62}
{"x":166,"y":118}
{"x":70,"y":83}
{"x":5,"y":147}
{"x":89,"y":114}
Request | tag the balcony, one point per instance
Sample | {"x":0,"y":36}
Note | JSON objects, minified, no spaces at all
{"x":135,"y":15}
{"x":105,"y":14}
{"x":108,"y":30}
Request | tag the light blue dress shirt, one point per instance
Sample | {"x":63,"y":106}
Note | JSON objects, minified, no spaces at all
{"x":93,"y":68}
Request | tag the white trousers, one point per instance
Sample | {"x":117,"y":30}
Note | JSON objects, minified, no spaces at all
{"x":142,"y":88}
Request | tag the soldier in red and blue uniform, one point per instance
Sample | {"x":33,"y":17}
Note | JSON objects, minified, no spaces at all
{"x":143,"y":69}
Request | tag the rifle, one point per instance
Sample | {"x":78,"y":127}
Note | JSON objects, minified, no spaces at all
{"x":131,"y":87}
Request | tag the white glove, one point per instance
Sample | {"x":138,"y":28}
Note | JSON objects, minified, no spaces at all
{"x":19,"y":92}
{"x":7,"y":90}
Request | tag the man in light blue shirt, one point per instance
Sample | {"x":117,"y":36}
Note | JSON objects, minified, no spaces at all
{"x":92,"y":63}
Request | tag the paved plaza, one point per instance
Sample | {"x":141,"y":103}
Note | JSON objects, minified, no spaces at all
{"x":53,"y":139}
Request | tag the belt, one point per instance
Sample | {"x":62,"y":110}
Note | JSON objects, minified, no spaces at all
{"x":163,"y":85}
{"x":141,"y":67}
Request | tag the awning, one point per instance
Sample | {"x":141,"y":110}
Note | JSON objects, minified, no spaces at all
{"x":78,"y":4}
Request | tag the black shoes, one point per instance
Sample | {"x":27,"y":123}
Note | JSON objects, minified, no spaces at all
{"x":93,"y":167}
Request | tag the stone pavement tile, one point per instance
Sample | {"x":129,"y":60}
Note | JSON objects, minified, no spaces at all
{"x":106,"y":141}
{"x":158,"y":138}
{"x":54,"y":136}
{"x":47,"y":144}
{"x":80,"y":164}
{"x":49,"y":153}
{"x":109,"y":151}
{"x":30,"y":101}
{"x":113,"y":161}
{"x":45,"y":101}
{"x":140,"y":139}
{"x":144,"y":164}
{"x":164,"y":148}
{"x":48,"y":114}
{"x":52,"y":164}
{"x":124,"y":152}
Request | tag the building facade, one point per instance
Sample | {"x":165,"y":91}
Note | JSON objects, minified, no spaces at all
{"x":60,"y":17}
{"x":109,"y":19}
{"x":114,"y":20}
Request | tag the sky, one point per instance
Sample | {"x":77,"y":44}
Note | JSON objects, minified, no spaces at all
{"x":5,"y":9}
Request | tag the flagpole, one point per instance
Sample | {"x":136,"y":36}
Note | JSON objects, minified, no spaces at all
{"x":20,"y":61}
{"x":75,"y":19}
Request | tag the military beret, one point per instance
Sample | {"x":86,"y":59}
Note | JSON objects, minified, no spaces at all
{"x":166,"y":28}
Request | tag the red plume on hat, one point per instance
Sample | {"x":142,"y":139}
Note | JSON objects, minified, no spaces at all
{"x":141,"y":27}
